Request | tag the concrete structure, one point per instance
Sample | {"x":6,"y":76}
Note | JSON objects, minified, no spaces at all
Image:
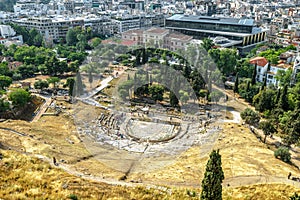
{"x":24,"y":6}
{"x":54,"y":29}
{"x":51,"y":29}
{"x":244,"y":31}
{"x":129,"y":22}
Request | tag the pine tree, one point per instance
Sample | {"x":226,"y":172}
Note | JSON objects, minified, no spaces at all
{"x":236,"y":84}
{"x":253,"y":80}
{"x":213,"y":178}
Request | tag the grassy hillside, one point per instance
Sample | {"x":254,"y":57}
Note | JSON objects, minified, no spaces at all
{"x":23,"y":177}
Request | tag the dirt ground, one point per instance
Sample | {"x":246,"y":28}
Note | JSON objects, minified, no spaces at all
{"x":25,"y":177}
{"x":245,"y":159}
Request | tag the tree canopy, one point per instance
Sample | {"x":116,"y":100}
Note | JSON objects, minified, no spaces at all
{"x":19,"y":97}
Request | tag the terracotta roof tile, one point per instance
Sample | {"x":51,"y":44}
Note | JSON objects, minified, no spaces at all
{"x":260,"y":61}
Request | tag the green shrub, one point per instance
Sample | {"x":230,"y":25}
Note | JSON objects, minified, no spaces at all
{"x":283,"y":154}
{"x":251,"y":117}
{"x":73,"y":197}
{"x":295,"y":197}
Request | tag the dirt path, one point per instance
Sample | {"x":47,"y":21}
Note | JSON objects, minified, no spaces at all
{"x":87,"y":98}
{"x":232,"y":182}
{"x":43,"y":108}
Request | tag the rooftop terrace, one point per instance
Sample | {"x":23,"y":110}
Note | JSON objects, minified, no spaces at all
{"x":214,"y":20}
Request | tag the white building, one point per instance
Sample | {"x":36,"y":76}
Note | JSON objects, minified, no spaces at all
{"x":24,"y":6}
{"x":296,"y":68}
{"x":266,"y":70}
{"x":7,"y":31}
{"x":8,"y":36}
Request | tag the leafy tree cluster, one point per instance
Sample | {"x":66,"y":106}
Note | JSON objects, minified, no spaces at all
{"x":78,"y":37}
{"x":5,"y":82}
{"x":279,"y":105}
{"x":250,"y":117}
{"x":32,"y":37}
{"x":38,"y":59}
{"x":273,"y":54}
{"x":19,"y":97}
{"x":225,"y":59}
{"x":163,"y":75}
{"x":40,"y":84}
{"x":295,"y":196}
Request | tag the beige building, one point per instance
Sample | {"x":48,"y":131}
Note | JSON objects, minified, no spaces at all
{"x":134,"y":35}
{"x":175,"y":41}
{"x":158,"y":37}
{"x":155,"y":36}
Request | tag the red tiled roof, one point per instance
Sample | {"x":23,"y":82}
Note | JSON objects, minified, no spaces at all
{"x":260,"y":61}
{"x":128,"y":43}
{"x":122,"y":42}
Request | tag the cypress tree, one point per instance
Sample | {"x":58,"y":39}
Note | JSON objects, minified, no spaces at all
{"x":248,"y":86}
{"x":283,"y":100}
{"x":253,"y":80}
{"x":269,"y":66}
{"x":173,"y":99}
{"x":277,"y":96}
{"x":144,"y":56}
{"x":236,"y":84}
{"x":213,"y":178}
{"x":206,"y":75}
{"x":150,"y":79}
{"x":265,"y":82}
{"x":79,"y":85}
{"x":90,"y":78}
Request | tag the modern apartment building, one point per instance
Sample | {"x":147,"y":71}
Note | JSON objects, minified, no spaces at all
{"x":130,"y":22}
{"x":53,"y":29}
